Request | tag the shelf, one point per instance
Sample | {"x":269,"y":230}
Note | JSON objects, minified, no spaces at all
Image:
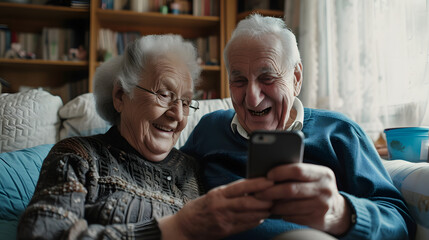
{"x":43,"y":64}
{"x":157,"y":23}
{"x":31,"y":18}
{"x":41,"y":12}
{"x":207,"y":68}
{"x":263,"y":12}
{"x":210,"y":67}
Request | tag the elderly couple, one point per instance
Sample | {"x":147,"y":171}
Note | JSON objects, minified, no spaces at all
{"x":130,"y":183}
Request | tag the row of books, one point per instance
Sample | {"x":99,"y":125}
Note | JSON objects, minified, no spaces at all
{"x":18,"y":44}
{"x":195,"y":7}
{"x":57,"y":42}
{"x":208,"y":50}
{"x":112,"y":43}
{"x":206,"y":8}
{"x":51,"y":44}
{"x":69,"y":3}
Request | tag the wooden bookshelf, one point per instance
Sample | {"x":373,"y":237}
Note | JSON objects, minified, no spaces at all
{"x":37,"y":12}
{"x":46,"y":64}
{"x":44,"y":73}
{"x":264,"y":12}
{"x":231,"y":18}
{"x":189,"y":26}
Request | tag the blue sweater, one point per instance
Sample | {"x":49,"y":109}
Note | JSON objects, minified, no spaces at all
{"x":331,"y":140}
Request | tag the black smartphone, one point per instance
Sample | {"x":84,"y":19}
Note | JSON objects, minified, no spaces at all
{"x":268,"y":149}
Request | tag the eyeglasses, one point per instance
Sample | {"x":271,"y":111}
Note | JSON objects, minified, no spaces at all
{"x":167,"y":98}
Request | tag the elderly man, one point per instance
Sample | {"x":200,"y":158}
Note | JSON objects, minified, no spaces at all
{"x":341,"y":188}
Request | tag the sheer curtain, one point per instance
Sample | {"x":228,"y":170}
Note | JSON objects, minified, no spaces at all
{"x":368,"y":59}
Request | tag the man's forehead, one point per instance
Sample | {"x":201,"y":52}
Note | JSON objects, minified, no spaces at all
{"x":262,"y":69}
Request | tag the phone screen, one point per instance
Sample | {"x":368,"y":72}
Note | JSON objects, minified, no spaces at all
{"x":268,"y":149}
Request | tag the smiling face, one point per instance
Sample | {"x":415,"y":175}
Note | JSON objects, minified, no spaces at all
{"x":151,"y":129}
{"x":262,"y":88}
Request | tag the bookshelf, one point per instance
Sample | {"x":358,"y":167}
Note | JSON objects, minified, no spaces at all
{"x":234,"y":12}
{"x":57,"y":75}
{"x":53,"y":75}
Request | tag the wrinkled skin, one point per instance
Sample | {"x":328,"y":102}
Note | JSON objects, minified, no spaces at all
{"x":221,"y":212}
{"x":151,"y":129}
{"x":262,"y":91}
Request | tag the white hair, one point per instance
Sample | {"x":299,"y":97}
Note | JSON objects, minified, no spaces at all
{"x":256,"y":26}
{"x":127,"y":70}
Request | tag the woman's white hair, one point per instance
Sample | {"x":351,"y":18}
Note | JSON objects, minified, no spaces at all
{"x":127,"y":70}
{"x":255,"y":26}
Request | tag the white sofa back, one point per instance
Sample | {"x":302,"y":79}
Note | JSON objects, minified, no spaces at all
{"x":36,"y":117}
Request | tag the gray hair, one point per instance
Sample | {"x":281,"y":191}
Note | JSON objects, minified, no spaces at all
{"x":256,"y":26}
{"x":127,"y":70}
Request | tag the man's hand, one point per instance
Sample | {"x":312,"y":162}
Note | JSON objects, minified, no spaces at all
{"x":307,"y":194}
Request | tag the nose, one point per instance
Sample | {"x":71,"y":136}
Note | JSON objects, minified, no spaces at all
{"x":176,"y":110}
{"x":254,"y":94}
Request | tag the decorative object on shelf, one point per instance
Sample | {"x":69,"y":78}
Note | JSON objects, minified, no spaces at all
{"x":140,"y":6}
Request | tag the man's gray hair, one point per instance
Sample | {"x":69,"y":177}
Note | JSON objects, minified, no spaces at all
{"x":255,"y":26}
{"x":127,"y":70}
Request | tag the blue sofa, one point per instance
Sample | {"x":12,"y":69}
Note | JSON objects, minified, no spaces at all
{"x":33,"y":121}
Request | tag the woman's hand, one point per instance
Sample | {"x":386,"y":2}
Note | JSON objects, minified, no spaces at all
{"x":307,"y":194}
{"x":223,"y":211}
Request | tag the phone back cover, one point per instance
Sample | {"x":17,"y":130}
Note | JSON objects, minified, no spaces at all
{"x":269,"y":152}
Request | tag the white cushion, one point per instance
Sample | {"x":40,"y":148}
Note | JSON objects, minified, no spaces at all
{"x":80,"y":118}
{"x":412,"y":179}
{"x":206,"y":106}
{"x":28,"y":119}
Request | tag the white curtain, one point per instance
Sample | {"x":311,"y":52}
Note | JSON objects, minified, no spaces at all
{"x":368,"y":59}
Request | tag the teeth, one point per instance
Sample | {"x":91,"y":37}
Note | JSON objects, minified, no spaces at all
{"x":260,"y":113}
{"x":163,"y":128}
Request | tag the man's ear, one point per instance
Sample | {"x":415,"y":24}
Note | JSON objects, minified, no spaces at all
{"x":297,"y":80}
{"x":118,"y":97}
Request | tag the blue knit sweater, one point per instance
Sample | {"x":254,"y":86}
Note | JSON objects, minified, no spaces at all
{"x":331,"y":140}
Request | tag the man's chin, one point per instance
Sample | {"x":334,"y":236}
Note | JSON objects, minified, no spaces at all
{"x":254,"y":127}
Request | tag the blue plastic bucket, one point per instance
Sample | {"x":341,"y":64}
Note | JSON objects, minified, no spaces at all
{"x":408,"y":143}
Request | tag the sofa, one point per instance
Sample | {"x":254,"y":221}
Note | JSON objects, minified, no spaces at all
{"x":32,"y":121}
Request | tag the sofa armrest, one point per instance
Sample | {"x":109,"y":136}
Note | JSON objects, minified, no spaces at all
{"x":411,"y":180}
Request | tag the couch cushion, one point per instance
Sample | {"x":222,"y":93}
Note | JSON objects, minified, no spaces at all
{"x":28,"y":119}
{"x":19,"y":172}
{"x":206,"y":106}
{"x":411,"y":180}
{"x":80,"y":118}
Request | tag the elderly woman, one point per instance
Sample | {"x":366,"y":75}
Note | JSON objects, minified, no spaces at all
{"x":130,"y":182}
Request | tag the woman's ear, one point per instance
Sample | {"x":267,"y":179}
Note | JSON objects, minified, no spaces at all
{"x":118,"y":97}
{"x":297,"y":80}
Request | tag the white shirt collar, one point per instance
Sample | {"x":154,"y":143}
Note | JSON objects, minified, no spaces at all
{"x":298,"y":124}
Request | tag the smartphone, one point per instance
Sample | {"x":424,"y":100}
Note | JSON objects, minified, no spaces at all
{"x":268,"y":149}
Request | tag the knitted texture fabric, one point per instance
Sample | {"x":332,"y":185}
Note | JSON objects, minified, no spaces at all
{"x":100,"y":186}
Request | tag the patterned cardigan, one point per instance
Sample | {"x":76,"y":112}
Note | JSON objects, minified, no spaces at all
{"x":101,"y":187}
